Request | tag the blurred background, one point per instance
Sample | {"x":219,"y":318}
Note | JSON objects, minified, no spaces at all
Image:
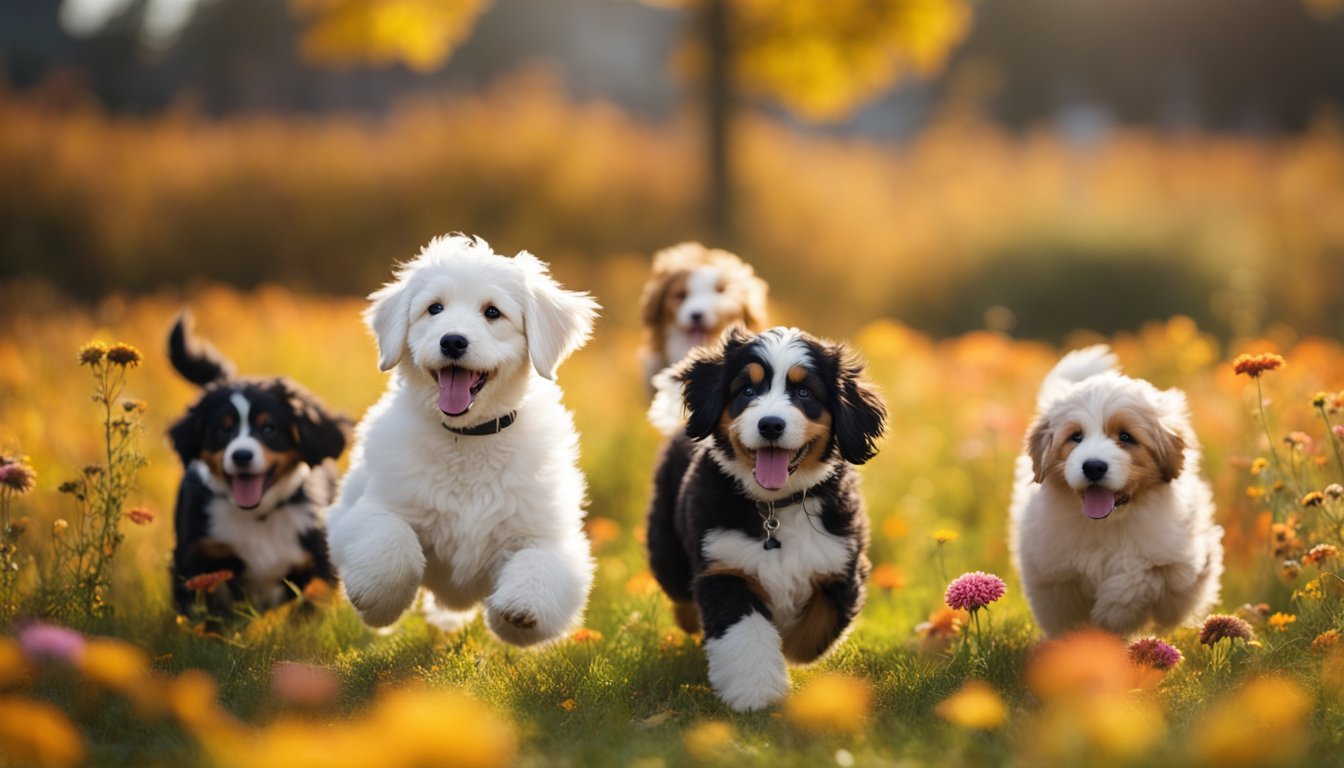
{"x":1031,"y":167}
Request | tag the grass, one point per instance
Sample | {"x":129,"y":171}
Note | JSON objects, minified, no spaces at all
{"x":632,"y":690}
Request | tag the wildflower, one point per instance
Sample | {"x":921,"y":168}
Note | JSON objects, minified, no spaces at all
{"x":92,"y":353}
{"x":207,"y":582}
{"x":1326,"y":641}
{"x":1280,"y":621}
{"x":140,"y":515}
{"x":17,"y":527}
{"x":830,"y":702}
{"x":17,"y":476}
{"x":1079,"y":666}
{"x":1334,"y":490}
{"x":124,"y":355}
{"x":569,"y":705}
{"x":134,"y":406}
{"x":1313,"y":499}
{"x":1318,"y":400}
{"x":896,"y":527}
{"x":1338,"y":431}
{"x":888,"y":576}
{"x":36,"y":733}
{"x":1310,"y":591}
{"x":1220,"y":626}
{"x":1320,"y":553}
{"x":602,"y":531}
{"x":1154,"y":653}
{"x":1260,"y":724}
{"x":48,"y":642}
{"x":708,"y":740}
{"x":1254,"y":365}
{"x":945,"y":535}
{"x":976,"y":705}
{"x":92,"y":470}
{"x":1299,"y":440}
{"x":943,"y":625}
{"x":1290,"y":569}
{"x":304,"y":685}
{"x":1259,"y":465}
{"x":116,"y":666}
{"x":69,"y":486}
{"x":642,"y":583}
{"x":1255,"y":492}
{"x":973,"y":591}
{"x":13,"y":665}
{"x":434,"y":727}
{"x":586,"y":635}
{"x":59,"y":526}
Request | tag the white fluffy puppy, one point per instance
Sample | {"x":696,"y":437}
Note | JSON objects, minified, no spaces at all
{"x":464,"y":476}
{"x":1111,"y":523}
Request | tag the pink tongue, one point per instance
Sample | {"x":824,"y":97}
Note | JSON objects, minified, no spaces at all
{"x":698,"y":337}
{"x":1098,"y":502}
{"x":247,"y":490}
{"x":455,"y":395}
{"x":772,"y":468}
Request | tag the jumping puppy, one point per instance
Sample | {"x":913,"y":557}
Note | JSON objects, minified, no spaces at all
{"x":695,"y":294}
{"x":258,"y":455}
{"x":1111,"y":524}
{"x":761,"y":541}
{"x":464,"y":478}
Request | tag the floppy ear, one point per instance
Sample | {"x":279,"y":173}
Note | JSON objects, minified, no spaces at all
{"x":1169,"y":450}
{"x":319,"y":433}
{"x":860,"y":415}
{"x":188,"y":433}
{"x":703,"y":391}
{"x":557,"y":321}
{"x":389,"y":319}
{"x":756,"y":317}
{"x":652,"y":299}
{"x":1039,"y":440}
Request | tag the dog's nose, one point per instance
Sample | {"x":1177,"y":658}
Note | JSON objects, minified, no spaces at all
{"x":771,"y":427}
{"x":1094,"y":469}
{"x":697,"y":317}
{"x":454,"y":345}
{"x":242,"y":456}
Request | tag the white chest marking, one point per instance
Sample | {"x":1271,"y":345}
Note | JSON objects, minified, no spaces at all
{"x":269,"y":546}
{"x":806,"y":552}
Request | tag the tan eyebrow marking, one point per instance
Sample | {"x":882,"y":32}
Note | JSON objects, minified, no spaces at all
{"x":756,"y":372}
{"x":796,"y":374}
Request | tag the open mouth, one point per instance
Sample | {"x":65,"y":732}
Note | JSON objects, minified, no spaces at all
{"x":247,"y":489}
{"x":696,"y":333}
{"x":458,"y":388}
{"x":1099,"y":502}
{"x":774,"y":465}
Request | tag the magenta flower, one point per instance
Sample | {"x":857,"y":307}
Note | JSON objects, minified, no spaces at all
{"x":48,"y":642}
{"x":973,"y":591}
{"x":1221,"y":626}
{"x":1155,"y":653}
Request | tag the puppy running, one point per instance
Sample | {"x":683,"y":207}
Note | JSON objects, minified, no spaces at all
{"x":762,"y":540}
{"x":1111,"y":523}
{"x":258,"y":455}
{"x":464,"y":478}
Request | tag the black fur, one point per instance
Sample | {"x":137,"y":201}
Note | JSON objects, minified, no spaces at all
{"x":286,"y":421}
{"x":694,"y":496}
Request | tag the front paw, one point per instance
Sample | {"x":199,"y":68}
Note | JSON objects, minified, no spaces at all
{"x":746,"y":665}
{"x":519,"y":619}
{"x":380,"y":599}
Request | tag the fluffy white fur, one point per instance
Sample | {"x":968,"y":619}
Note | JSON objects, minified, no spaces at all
{"x":1156,"y":559}
{"x":488,"y":518}
{"x":746,"y":665}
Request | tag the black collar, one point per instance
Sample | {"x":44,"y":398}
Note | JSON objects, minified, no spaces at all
{"x":766,"y":506}
{"x":491,"y":427}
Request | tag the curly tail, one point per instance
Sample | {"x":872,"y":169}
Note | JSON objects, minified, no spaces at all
{"x":196,"y":360}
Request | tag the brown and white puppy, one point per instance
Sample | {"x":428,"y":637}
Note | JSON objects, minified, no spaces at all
{"x":693,"y":296}
{"x":757,"y":531}
{"x":1111,"y":524}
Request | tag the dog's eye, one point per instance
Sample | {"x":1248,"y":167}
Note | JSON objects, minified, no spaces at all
{"x":748,"y":391}
{"x":268,"y":429}
{"x":435,"y":308}
{"x":802,"y":392}
{"x":1125,"y":437}
{"x":492,"y":312}
{"x":1076,"y":437}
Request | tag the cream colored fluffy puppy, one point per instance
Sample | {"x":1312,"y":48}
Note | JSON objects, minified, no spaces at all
{"x":1111,"y":524}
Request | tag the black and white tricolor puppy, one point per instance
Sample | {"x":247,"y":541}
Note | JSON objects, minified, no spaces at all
{"x":762,"y":539}
{"x":259,"y":475}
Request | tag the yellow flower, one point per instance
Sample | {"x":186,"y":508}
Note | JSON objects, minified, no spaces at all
{"x":119,"y":667}
{"x":708,"y":740}
{"x":830,"y":702}
{"x":569,"y":705}
{"x":944,"y":535}
{"x":92,"y":353}
{"x":1313,"y":499}
{"x":438,"y":727}
{"x":59,"y":526}
{"x":1259,"y":465}
{"x":1261,"y":723}
{"x":13,"y":665}
{"x":124,"y":355}
{"x":976,"y":705}
{"x":1280,"y":621}
{"x":36,"y":733}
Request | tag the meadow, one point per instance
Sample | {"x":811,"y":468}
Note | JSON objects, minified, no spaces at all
{"x":916,"y":683}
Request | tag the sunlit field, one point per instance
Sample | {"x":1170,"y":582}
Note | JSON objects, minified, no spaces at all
{"x":630,"y":688}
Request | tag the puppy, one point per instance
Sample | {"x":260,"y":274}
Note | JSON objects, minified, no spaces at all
{"x":464,"y":478}
{"x":761,"y":538}
{"x":258,"y":455}
{"x":693,"y":296}
{"x":1111,"y":524}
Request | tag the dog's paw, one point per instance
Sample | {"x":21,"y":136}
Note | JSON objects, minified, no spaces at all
{"x":519,"y":619}
{"x":746,"y":665}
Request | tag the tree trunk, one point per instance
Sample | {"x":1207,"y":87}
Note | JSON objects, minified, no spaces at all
{"x":718,"y":109}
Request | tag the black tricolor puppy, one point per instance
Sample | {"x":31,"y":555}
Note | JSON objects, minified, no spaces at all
{"x":757,"y":531}
{"x":258,"y":455}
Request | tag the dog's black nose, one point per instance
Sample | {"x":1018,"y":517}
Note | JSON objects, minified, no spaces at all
{"x":771,"y":427}
{"x":242,"y":456}
{"x":1094,"y":469}
{"x":454,"y":345}
{"x":697,"y":317}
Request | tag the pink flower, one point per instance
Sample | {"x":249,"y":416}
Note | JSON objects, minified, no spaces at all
{"x":48,"y":642}
{"x":1221,"y":626}
{"x":1152,"y":652}
{"x":973,"y":591}
{"x":304,"y":685}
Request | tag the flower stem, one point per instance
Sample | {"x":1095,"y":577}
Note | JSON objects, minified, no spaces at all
{"x":1334,"y":442}
{"x":1278,"y":463}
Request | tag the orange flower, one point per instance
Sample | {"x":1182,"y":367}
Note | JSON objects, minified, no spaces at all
{"x":976,"y":705}
{"x":830,"y":702}
{"x":207,"y":582}
{"x":1254,"y":365}
{"x":569,"y":705}
{"x":642,"y":583}
{"x":1326,"y":641}
{"x":602,"y":531}
{"x":1280,"y":621}
{"x":586,"y":635}
{"x":140,"y":515}
{"x":124,"y":355}
{"x":888,"y":577}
